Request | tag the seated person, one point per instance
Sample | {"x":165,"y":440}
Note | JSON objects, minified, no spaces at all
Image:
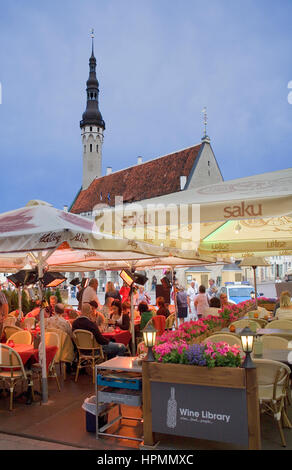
{"x":162,"y":309}
{"x":284,"y":312}
{"x":118,"y":317}
{"x":84,"y":323}
{"x":126,"y":308}
{"x":57,"y":321}
{"x":50,"y":310}
{"x":97,"y":317}
{"x":214,"y":308}
{"x":145,"y":313}
{"x":106,"y":309}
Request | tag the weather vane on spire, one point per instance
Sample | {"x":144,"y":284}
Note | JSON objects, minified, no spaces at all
{"x":92,"y":37}
{"x":204,"y":111}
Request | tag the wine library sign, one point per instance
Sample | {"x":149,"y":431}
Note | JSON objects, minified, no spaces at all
{"x":217,"y":405}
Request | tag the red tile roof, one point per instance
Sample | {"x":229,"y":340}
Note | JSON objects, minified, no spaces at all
{"x":150,"y":179}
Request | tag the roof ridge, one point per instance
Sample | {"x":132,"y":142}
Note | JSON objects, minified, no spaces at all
{"x":148,"y":161}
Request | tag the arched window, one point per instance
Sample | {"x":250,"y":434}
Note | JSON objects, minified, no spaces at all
{"x":90,"y":147}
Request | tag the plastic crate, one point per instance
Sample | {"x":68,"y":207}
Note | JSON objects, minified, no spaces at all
{"x":123,"y":397}
{"x":89,"y":406}
{"x":119,"y":382}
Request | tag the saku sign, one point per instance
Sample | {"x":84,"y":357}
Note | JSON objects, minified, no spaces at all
{"x":243,"y":210}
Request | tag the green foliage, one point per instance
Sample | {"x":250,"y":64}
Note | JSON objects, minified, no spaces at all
{"x":58,"y":295}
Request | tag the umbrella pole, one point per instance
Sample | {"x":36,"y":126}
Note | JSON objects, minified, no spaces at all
{"x":174,"y":296}
{"x":43,"y":343}
{"x":255,"y":286}
{"x":132,"y":322}
{"x":19,"y":304}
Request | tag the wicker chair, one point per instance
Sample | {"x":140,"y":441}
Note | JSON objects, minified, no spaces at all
{"x":21,"y":337}
{"x":260,"y":321}
{"x":29,"y":322}
{"x":12,"y":370}
{"x":229,"y":338}
{"x":170,"y":321}
{"x":89,"y":351}
{"x":9,"y":321}
{"x":274,"y":342}
{"x":243,"y":323}
{"x":272,"y":388}
{"x":51,"y":339}
{"x":9,"y":330}
{"x":280,"y":324}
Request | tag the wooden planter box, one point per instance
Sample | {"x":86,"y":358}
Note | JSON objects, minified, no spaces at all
{"x":268,"y":306}
{"x":187,"y":380}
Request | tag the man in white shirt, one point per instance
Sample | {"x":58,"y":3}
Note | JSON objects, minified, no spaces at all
{"x":90,"y":293}
{"x":191,"y":293}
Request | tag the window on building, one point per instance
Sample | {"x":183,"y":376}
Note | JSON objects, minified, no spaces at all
{"x":90,"y":147}
{"x":97,"y":148}
{"x":90,"y":128}
{"x":84,"y":148}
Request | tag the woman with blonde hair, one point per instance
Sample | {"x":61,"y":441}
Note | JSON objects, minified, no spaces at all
{"x":111,"y":291}
{"x":284,"y":312}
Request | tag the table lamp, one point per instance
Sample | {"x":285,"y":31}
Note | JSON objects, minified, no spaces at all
{"x":149,"y":337}
{"x":247,"y":341}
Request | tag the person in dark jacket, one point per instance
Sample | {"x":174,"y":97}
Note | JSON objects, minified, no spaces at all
{"x":83,"y":322}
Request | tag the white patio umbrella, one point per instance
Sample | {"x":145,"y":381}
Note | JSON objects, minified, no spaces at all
{"x":68,"y":260}
{"x":35,"y":231}
{"x":249,"y":216}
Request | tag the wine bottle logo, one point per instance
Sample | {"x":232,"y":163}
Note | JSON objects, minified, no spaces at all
{"x":171,"y":410}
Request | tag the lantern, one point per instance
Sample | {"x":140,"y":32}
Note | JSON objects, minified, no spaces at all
{"x":149,"y":337}
{"x":247,"y":341}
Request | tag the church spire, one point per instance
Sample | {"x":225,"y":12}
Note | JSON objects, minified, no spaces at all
{"x":92,"y":126}
{"x":92,"y":114}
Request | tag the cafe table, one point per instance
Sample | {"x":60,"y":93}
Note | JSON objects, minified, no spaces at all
{"x":29,"y":356}
{"x":118,"y":335}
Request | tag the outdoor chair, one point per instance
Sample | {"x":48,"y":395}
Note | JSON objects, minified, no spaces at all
{"x":51,"y":339}
{"x":252,"y":324}
{"x":65,"y":353}
{"x":229,"y":338}
{"x":159,"y":321}
{"x":21,"y":337}
{"x":261,"y":312}
{"x":280,"y":324}
{"x":170,"y":321}
{"x":9,"y":330}
{"x":260,"y":321}
{"x":12,"y":371}
{"x":272,"y":379}
{"x":274,"y":342}
{"x":89,"y":351}
{"x":9,"y":321}
{"x":29,"y":322}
